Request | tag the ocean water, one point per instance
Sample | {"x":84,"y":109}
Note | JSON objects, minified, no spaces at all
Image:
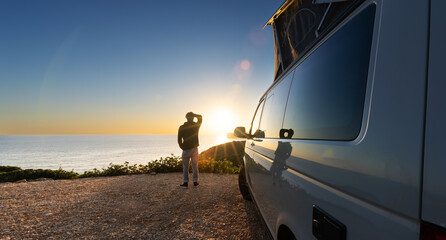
{"x":85,"y":152}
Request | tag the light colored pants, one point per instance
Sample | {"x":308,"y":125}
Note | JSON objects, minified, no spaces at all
{"x":187,"y":156}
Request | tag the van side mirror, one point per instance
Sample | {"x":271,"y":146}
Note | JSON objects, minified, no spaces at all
{"x":240,"y":132}
{"x":259,"y":134}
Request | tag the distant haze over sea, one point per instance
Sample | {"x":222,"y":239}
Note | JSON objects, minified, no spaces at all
{"x":85,"y":152}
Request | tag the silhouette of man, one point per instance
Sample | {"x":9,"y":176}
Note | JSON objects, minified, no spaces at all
{"x":188,"y":141}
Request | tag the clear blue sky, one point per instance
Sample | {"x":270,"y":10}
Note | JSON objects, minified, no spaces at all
{"x":131,"y":67}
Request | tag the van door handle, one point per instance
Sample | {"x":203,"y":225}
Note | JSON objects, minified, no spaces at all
{"x":252,"y":144}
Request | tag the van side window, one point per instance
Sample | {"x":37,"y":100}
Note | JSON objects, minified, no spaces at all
{"x":327,"y":94}
{"x":264,"y":120}
{"x":274,"y":108}
{"x":256,"y":120}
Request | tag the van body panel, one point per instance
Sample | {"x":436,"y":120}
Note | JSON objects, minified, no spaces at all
{"x":434,"y":184}
{"x":372,"y":184}
{"x":289,"y":201}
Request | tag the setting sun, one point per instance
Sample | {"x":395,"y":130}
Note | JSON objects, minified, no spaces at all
{"x":222,"y":122}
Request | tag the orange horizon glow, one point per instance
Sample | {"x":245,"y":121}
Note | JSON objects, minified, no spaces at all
{"x":219,"y":121}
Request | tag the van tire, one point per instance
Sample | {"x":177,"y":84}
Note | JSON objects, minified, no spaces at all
{"x":285,"y":234}
{"x":243,"y":185}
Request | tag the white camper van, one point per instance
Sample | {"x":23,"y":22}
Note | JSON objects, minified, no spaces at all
{"x":348,"y":141}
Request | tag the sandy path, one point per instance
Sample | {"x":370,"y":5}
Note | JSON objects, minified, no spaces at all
{"x":128,"y":207}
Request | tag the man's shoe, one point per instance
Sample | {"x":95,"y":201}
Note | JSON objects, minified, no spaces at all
{"x":184,"y":185}
{"x":196,"y":184}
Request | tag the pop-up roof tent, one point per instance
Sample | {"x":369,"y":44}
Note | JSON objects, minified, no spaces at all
{"x":299,"y":24}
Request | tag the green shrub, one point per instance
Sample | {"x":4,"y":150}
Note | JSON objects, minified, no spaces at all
{"x":211,"y":165}
{"x":116,"y":170}
{"x":30,"y":174}
{"x":165,"y":165}
{"x":8,"y":169}
{"x":94,"y":173}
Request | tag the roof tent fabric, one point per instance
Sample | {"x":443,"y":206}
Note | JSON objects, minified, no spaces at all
{"x":299,"y":24}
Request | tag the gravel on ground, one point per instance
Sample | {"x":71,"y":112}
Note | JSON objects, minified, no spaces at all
{"x":128,"y":207}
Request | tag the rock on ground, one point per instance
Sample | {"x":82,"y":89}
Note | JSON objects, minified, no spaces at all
{"x":128,"y":207}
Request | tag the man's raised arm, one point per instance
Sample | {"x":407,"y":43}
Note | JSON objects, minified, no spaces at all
{"x":199,"y":118}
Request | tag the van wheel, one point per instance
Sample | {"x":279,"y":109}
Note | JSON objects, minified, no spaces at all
{"x":285,"y":234}
{"x":243,"y":185}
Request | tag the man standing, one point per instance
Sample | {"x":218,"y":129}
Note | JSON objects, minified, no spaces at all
{"x":188,"y":141}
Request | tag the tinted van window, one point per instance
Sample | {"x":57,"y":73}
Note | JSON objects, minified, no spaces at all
{"x":256,"y":120}
{"x":327,"y":94}
{"x":274,"y":108}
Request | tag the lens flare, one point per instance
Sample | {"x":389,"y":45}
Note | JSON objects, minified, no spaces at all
{"x":245,"y":65}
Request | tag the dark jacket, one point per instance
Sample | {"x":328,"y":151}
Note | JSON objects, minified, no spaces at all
{"x":188,"y":134}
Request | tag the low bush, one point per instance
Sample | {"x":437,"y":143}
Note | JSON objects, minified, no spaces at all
{"x":224,"y":158}
{"x":30,"y":174}
{"x":116,"y":170}
{"x":211,"y":165}
{"x":167,"y":164}
{"x":8,"y":169}
{"x":163,"y":165}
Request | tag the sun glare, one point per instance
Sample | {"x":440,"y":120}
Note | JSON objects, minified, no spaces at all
{"x":222,"y":122}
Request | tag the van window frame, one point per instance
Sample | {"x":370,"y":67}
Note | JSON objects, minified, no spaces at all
{"x":259,"y":107}
{"x":339,"y":27}
{"x":272,"y":94}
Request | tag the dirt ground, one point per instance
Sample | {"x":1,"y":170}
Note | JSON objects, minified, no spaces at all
{"x":128,"y":207}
